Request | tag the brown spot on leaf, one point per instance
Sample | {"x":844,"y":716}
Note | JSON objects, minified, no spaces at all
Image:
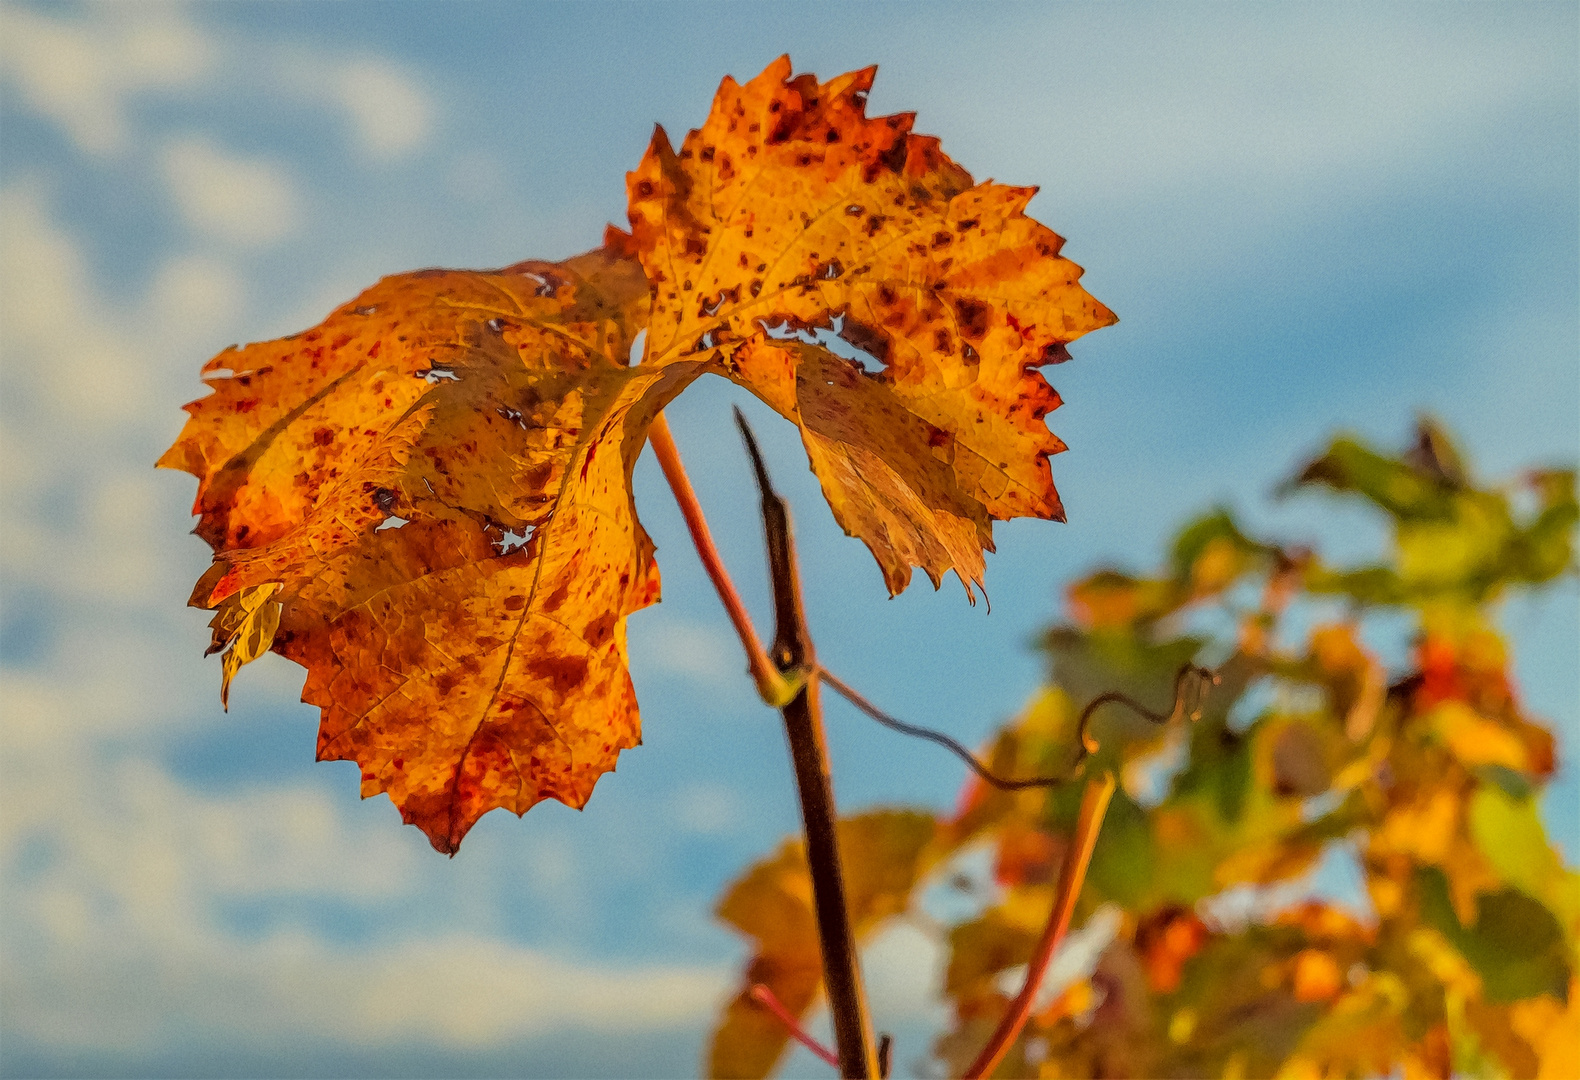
{"x":563,"y":673}
{"x":601,"y":629}
{"x":973,"y":318}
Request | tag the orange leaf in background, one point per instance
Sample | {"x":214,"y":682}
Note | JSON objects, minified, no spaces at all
{"x":885,"y":853}
{"x":437,"y":482}
{"x":789,"y":218}
{"x":1316,"y":976}
{"x":1165,"y":940}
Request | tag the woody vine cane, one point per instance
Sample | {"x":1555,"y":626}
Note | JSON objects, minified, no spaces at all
{"x":793,"y":669}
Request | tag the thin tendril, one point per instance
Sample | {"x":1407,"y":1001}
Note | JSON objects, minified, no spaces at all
{"x":1191,"y":680}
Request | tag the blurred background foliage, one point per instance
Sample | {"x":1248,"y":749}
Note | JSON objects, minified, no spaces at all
{"x":1364,"y":713}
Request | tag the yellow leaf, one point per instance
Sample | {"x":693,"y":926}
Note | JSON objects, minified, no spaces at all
{"x":1510,"y":834}
{"x":1553,"y":1031}
{"x":1475,"y":740}
{"x":255,"y":621}
{"x":1423,"y":829}
{"x":883,"y":853}
{"x":1317,"y":976}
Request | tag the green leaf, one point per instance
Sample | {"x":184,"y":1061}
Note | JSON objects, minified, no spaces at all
{"x":1510,"y":833}
{"x":1515,"y":944}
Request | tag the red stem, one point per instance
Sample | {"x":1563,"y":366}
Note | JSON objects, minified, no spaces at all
{"x":765,"y":997}
{"x":1072,"y":875}
{"x":764,"y":674}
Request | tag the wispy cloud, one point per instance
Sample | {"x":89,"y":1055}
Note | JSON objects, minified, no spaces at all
{"x":85,"y":72}
{"x":243,"y":200}
{"x":81,"y":73}
{"x":76,"y":366}
{"x":122,"y":879}
{"x":689,"y":650}
{"x":389,"y":113}
{"x":114,"y":944}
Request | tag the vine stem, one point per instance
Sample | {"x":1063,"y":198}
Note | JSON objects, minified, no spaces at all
{"x":771,"y":685}
{"x":792,"y":651}
{"x":1072,"y":875}
{"x":796,"y":698}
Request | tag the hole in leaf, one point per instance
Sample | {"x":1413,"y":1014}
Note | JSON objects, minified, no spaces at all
{"x":829,"y":337}
{"x":835,"y":342}
{"x":438,"y":373}
{"x":638,"y":347}
{"x":513,"y":541}
{"x":785,"y":332}
{"x":392,"y":522}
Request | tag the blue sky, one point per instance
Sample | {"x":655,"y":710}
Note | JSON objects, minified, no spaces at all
{"x":1308,"y":219}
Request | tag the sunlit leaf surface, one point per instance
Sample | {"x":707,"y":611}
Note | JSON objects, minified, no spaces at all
{"x":426,"y":499}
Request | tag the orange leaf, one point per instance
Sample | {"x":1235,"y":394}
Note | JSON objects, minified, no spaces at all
{"x":1165,"y":940}
{"x":438,"y":480}
{"x":790,"y":214}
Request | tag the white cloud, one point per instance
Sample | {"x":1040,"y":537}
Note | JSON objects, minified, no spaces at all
{"x":118,"y":940}
{"x":57,"y":350}
{"x":389,"y":113}
{"x":690,"y":650}
{"x":235,"y":199}
{"x":116,"y":876}
{"x":79,"y":73}
{"x":708,"y":808}
{"x":194,"y":297}
{"x":82,"y":74}
{"x":455,"y":990}
{"x":84,"y":378}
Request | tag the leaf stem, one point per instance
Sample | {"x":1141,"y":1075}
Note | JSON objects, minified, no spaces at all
{"x":1072,"y":875}
{"x":766,"y":998}
{"x":773,"y":687}
{"x":792,"y":651}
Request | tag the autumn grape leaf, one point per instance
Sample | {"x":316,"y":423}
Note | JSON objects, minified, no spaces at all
{"x":426,"y":499}
{"x":429,"y":496}
{"x":791,"y":219}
